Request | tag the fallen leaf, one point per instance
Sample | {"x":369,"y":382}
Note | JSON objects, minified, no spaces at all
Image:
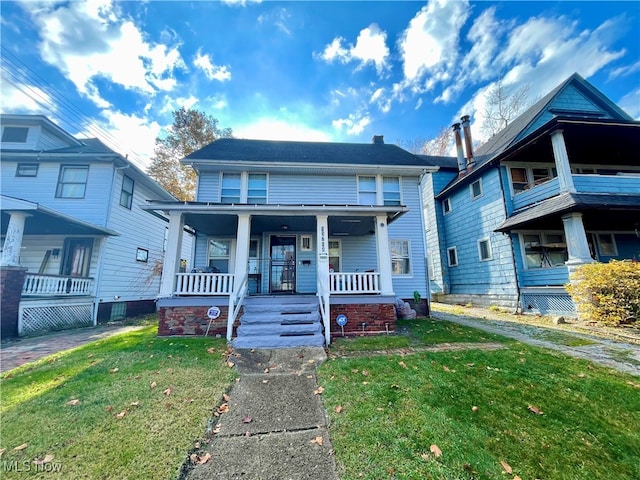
{"x":230,"y":364}
{"x":108,"y":408}
{"x":435,"y":450}
{"x":395,"y":387}
{"x":20,"y":447}
{"x":134,"y":404}
{"x":247,"y":419}
{"x":247,"y":433}
{"x":365,"y":383}
{"x":211,"y":350}
{"x":403,"y":365}
{"x":223,"y":408}
{"x":445,"y":368}
{"x":535,"y":410}
{"x":167,"y":392}
{"x":73,"y":402}
{"x":339,"y":409}
{"x":266,"y":370}
{"x":309,"y":377}
{"x":318,"y":391}
{"x":265,"y":381}
{"x":470,"y":364}
{"x":474,"y":409}
{"x":424,"y":456}
{"x":380,"y":409}
{"x":634,"y":385}
{"x":318,"y":440}
{"x":582,"y":375}
{"x":226,"y":397}
{"x":2,"y":451}
{"x":114,"y":370}
{"x":204,"y":459}
{"x":193,"y":458}
{"x":189,"y":400}
{"x":217,"y":429}
{"x":47,"y":458}
{"x":365,"y":373}
{"x":312,"y":361}
{"x":138,"y":377}
{"x":153,"y":385}
{"x":354,"y":370}
{"x":517,"y":477}
{"x":507,"y":468}
{"x":90,"y":355}
{"x":122,"y":414}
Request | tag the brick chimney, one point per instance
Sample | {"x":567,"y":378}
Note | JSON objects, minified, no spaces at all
{"x":461,"y":161}
{"x":378,"y":139}
{"x":466,"y":128}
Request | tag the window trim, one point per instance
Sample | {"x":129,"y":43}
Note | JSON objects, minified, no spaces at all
{"x":409,"y":273}
{"x":399,"y":178}
{"x":339,"y":241}
{"x":129,"y":201}
{"x":613,"y":243}
{"x":489,"y":249}
{"x":530,"y":182}
{"x":453,"y":250}
{"x":309,"y":247}
{"x":379,"y":189}
{"x":244,"y":186}
{"x":59,"y":185}
{"x":543,"y":239}
{"x":445,"y":202}
{"x":375,"y":190}
{"x":15,"y":129}
{"x":479,"y":183}
{"x":232,"y":252}
{"x":27,"y":164}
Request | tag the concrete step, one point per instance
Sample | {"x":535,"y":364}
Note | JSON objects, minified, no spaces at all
{"x":279,"y":341}
{"x":272,"y":329}
{"x":280,"y":318}
{"x":299,"y":307}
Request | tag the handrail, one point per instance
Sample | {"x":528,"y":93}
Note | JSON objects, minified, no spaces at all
{"x":323,"y":300}
{"x":235,"y":302}
{"x":42,"y":285}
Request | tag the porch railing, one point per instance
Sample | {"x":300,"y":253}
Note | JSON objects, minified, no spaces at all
{"x":38,"y":285}
{"x":354,"y":282}
{"x":235,"y":302}
{"x":204,"y":283}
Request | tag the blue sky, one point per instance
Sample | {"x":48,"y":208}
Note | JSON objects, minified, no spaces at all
{"x":322,"y":71}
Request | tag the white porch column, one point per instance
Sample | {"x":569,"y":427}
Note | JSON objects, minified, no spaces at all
{"x":562,"y":162}
{"x":13,"y":239}
{"x":384,"y":255}
{"x":242,"y":250}
{"x":322,"y":236}
{"x":577,"y":244}
{"x":172,"y":254}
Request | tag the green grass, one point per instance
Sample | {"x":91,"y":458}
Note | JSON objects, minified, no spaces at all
{"x":429,"y":331}
{"x":621,"y":355}
{"x":562,"y":338}
{"x":87,"y":439}
{"x":391,"y":415}
{"x":360,"y":344}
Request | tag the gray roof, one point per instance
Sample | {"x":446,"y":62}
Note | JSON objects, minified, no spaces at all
{"x":568,"y":202}
{"x":271,"y":151}
{"x":445,"y":163}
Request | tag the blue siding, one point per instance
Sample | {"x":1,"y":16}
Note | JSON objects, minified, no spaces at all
{"x":607,"y":184}
{"x":536,"y":194}
{"x":306,"y":279}
{"x":473,"y":220}
{"x":208,"y":187}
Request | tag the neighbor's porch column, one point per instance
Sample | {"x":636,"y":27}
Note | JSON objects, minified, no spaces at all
{"x":13,"y":239}
{"x":384,"y":255}
{"x":565,"y":179}
{"x":172,"y":254}
{"x":577,"y":244}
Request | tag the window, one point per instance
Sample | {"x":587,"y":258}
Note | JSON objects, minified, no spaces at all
{"x":367,"y":190}
{"x":142,"y":255}
{"x":254,"y":256}
{"x":219,"y":253}
{"x":446,"y":205}
{"x":72,"y":182}
{"x":257,"y":190}
{"x":452,"y":256}
{"x":523,"y":178}
{"x":126,"y":194}
{"x":544,"y":250}
{"x":27,"y":170}
{"x":476,"y":188}
{"x":519,"y":180}
{"x":607,"y":245}
{"x":15,"y":134}
{"x":335,"y":255}
{"x":231,"y":187}
{"x":305,"y":243}
{"x":484,"y":249}
{"x":400,"y":264}
{"x":391,"y":191}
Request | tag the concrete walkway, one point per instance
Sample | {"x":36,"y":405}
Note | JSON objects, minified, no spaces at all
{"x":276,"y":426}
{"x":621,"y":355}
{"x":17,"y":352}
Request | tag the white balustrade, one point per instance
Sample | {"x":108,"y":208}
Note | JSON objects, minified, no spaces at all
{"x":38,"y":285}
{"x":204,"y":284}
{"x":354,"y":282}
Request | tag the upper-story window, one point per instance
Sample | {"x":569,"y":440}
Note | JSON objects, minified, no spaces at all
{"x":446,"y":205}
{"x":379,"y":190}
{"x":244,"y":188}
{"x":126,"y":194}
{"x":524,"y":178}
{"x":476,"y":189}
{"x":27,"y":170}
{"x":72,"y":182}
{"x":15,"y":134}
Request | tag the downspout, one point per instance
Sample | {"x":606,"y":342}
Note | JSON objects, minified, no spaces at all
{"x":513,"y":252}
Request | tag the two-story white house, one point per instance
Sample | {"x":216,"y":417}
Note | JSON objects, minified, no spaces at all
{"x":75,"y":242}
{"x":293,"y":239}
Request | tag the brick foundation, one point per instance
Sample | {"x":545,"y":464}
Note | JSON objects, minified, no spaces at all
{"x":378,"y":317}
{"x":192,"y":320}
{"x":11,"y":283}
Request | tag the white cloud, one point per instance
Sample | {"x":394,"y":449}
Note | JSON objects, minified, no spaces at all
{"x":88,"y":40}
{"x":625,"y":70}
{"x":630,"y":103}
{"x":381,"y":99}
{"x":354,"y":123}
{"x":269,"y":128}
{"x":171,"y":104}
{"x":240,"y":3}
{"x":213,"y":72}
{"x":370,"y":47}
{"x":25,"y":99}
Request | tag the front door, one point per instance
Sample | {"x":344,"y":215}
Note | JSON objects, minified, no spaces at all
{"x":76,"y":257}
{"x":282,"y":277}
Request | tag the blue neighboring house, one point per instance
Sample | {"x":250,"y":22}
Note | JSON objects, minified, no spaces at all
{"x":294,"y":237}
{"x":557,"y":188}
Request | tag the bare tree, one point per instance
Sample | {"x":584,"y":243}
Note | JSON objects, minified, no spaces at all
{"x":503,"y":105}
{"x":438,"y":146}
{"x":190,"y":131}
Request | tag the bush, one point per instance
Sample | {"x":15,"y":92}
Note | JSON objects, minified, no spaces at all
{"x":607,"y":292}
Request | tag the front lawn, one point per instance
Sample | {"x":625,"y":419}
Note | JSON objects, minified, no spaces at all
{"x":478,"y":414}
{"x":130,"y":406}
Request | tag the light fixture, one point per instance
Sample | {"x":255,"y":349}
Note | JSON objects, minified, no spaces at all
{"x":284,"y":226}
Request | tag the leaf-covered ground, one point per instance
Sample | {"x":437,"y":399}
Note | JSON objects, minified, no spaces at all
{"x":130,"y":406}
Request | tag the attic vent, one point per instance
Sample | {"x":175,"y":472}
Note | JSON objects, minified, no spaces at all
{"x":15,"y":134}
{"x":378,"y":139}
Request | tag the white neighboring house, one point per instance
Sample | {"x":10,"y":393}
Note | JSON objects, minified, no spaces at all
{"x":73,"y":229}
